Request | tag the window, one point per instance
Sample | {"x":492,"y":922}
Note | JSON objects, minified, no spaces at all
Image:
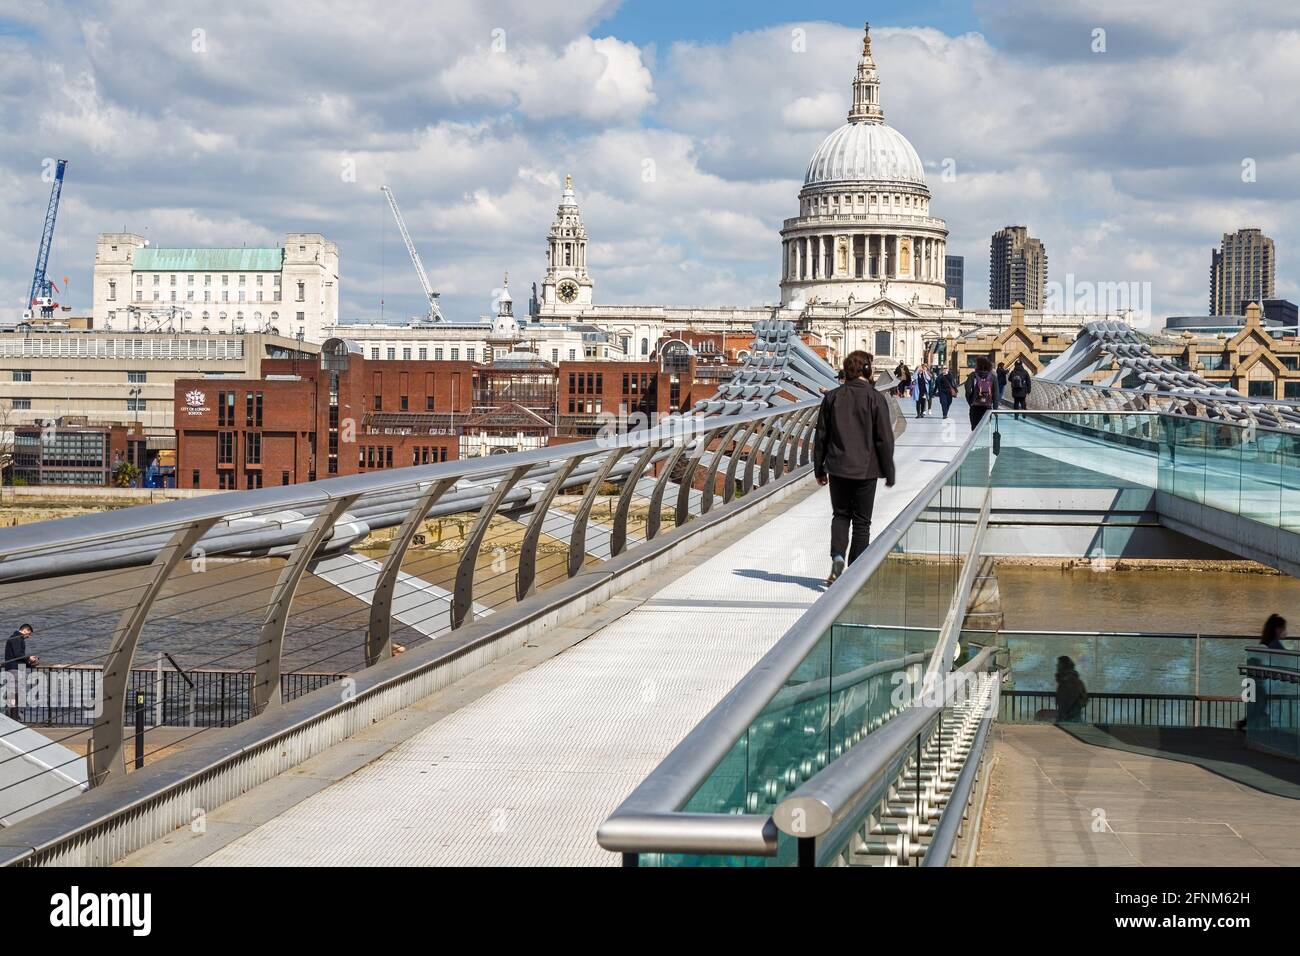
{"x":469,"y":354}
{"x":253,"y":480}
{"x":112,"y":290}
{"x":1291,"y":390}
{"x":424,"y":355}
{"x":139,"y":278}
{"x":302,"y":292}
{"x":253,"y":448}
{"x":226,"y":480}
{"x":22,"y":404}
{"x":374,"y":355}
{"x":284,"y":477}
{"x":437,"y":355}
{"x":392,"y":354}
{"x":428,"y":403}
{"x":225,"y":407}
{"x":226,"y":448}
{"x":884,"y":342}
{"x":253,"y":409}
{"x":22,"y":375}
{"x":455,"y":354}
{"x":137,"y":378}
{"x":1260,"y":388}
{"x":379,"y":403}
{"x":406,"y":355}
{"x":194,"y":478}
{"x":135,"y":404}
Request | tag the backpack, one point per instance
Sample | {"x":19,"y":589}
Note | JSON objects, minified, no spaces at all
{"x":983,"y":390}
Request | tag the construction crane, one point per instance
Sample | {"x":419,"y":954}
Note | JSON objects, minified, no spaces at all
{"x":42,"y":293}
{"x":435,"y":313}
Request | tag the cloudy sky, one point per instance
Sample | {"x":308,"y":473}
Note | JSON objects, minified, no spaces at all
{"x":1127,"y":134}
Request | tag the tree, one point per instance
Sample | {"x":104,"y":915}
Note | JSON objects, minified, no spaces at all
{"x":125,"y":474}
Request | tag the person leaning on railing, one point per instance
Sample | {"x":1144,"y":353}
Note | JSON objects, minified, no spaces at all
{"x":854,"y":449}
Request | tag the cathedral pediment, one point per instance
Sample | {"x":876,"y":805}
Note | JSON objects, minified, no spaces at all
{"x":881,"y":308}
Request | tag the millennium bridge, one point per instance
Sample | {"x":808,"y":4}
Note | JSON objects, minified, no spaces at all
{"x":622,"y":650}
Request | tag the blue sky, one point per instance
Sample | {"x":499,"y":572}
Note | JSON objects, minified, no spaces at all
{"x":1127,"y":161}
{"x":663,"y":22}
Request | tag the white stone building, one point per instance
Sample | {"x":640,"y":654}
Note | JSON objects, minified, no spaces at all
{"x":290,"y":290}
{"x":555,"y":339}
{"x":861,"y":267}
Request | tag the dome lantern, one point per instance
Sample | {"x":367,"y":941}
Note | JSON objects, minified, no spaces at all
{"x":866,"y":86}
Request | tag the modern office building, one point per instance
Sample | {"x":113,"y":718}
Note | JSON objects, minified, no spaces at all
{"x":70,"y":452}
{"x":290,"y":290}
{"x":954,"y":271}
{"x":1242,"y":269}
{"x":123,"y":378}
{"x":1017,"y":269}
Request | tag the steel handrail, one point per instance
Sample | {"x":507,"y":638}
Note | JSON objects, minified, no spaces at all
{"x":834,"y":795}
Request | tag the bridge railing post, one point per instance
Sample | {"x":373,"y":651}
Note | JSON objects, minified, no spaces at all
{"x":379,"y":642}
{"x":462,"y":599}
{"x":265,"y":691}
{"x":107,"y":753}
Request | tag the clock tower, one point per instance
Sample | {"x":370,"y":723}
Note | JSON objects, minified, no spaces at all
{"x":567,"y":286}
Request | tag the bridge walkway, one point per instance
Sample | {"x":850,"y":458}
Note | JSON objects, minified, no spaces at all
{"x":518,"y":764}
{"x":1137,"y":796}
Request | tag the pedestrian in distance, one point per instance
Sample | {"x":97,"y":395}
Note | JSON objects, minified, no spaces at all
{"x":946,"y":389}
{"x":921,"y":391}
{"x":854,"y":449}
{"x":981,"y":391}
{"x":17,"y":660}
{"x":1272,"y":637}
{"x":1021,"y":386}
{"x":1002,"y":381}
{"x":1071,"y":694}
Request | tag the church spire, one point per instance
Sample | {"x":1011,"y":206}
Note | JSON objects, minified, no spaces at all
{"x":866,"y":87}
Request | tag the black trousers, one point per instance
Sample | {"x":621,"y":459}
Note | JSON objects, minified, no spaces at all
{"x":851,"y":502}
{"x":977,"y":413}
{"x":1020,"y":402}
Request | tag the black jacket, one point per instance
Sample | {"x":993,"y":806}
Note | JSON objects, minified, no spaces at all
{"x":854,"y":436}
{"x":1019,"y":382}
{"x":16,"y":651}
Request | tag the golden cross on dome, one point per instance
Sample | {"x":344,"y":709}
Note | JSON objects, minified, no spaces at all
{"x":866,"y":39}
{"x":568,"y":182}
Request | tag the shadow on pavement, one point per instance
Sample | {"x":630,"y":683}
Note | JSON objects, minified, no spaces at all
{"x":1221,"y":752}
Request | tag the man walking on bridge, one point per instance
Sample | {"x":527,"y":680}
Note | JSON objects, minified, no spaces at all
{"x":854,"y":448}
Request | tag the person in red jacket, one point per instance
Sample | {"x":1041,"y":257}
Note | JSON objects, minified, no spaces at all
{"x":854,"y":449}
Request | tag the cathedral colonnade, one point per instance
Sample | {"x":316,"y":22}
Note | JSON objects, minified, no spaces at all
{"x":863,"y":255}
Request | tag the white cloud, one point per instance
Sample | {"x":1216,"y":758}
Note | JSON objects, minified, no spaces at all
{"x":1127,"y":164}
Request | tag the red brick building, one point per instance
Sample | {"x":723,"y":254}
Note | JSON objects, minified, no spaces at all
{"x":304,"y":421}
{"x":346,"y":414}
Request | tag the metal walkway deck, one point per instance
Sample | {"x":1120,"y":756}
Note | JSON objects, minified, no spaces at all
{"x":524,"y":773}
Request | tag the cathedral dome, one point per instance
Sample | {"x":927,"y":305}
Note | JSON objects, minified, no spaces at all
{"x":861,"y":153}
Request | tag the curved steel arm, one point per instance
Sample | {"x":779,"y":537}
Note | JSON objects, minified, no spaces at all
{"x":578,"y":538}
{"x":711,"y":473}
{"x":265,"y":691}
{"x":683,"y":510}
{"x":770,"y":468}
{"x":618,"y":535}
{"x":462,"y":598}
{"x":657,"y":496}
{"x":729,"y":483}
{"x":752,"y":459}
{"x":107,"y":752}
{"x":379,"y":641}
{"x":526,"y":575}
